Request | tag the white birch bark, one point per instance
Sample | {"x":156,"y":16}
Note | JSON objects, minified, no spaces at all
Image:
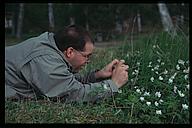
{"x":166,"y":19}
{"x":139,"y":22}
{"x":86,"y":16}
{"x":71,"y":18}
{"x":118,"y":24}
{"x":51,"y":17}
{"x":20,"y":20}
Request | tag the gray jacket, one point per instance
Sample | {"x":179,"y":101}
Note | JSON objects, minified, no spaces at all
{"x":36,"y":67}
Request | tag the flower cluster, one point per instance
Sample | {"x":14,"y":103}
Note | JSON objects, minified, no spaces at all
{"x":168,"y":78}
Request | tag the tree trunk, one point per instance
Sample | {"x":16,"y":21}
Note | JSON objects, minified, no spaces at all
{"x":86,"y":16}
{"x":20,"y":20}
{"x":118,"y":22}
{"x":51,"y":17}
{"x":139,"y":22}
{"x":182,"y":15}
{"x":71,"y":18}
{"x":166,"y":19}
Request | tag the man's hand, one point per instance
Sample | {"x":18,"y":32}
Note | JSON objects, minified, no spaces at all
{"x":107,"y":71}
{"x":120,"y":74}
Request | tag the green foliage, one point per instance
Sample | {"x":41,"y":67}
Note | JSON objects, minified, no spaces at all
{"x":35,"y":18}
{"x":101,"y":17}
{"x":143,"y":99}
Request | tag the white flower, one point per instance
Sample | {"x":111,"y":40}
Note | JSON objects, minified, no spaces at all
{"x":138,"y":63}
{"x":160,"y":78}
{"x":161,"y":101}
{"x":152,"y":79}
{"x":186,"y":70}
{"x":157,"y":72}
{"x":152,"y":69}
{"x":173,"y":77}
{"x":158,"y":112}
{"x":146,"y":94}
{"x":142,"y":98}
{"x":187,"y":86}
{"x":165,"y":72}
{"x":136,"y":71}
{"x":119,"y":91}
{"x":136,"y":87}
{"x":158,"y":94}
{"x":156,"y":103}
{"x":132,"y":80}
{"x":175,"y":74}
{"x":156,"y":67}
{"x":185,"y":107}
{"x":154,"y":46}
{"x":148,"y":103}
{"x":138,"y":91}
{"x":175,"y":89}
{"x":177,"y":67}
{"x":159,"y":60}
{"x":133,"y":73}
{"x":181,"y":61}
{"x":186,"y":76}
{"x":150,"y":63}
{"x":162,"y":63}
{"x":142,"y":89}
{"x":180,"y":94}
{"x":170,"y":81}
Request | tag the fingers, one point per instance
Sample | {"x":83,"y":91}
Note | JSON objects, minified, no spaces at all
{"x":120,"y":76}
{"x":121,"y":62}
{"x":126,"y":67}
{"x":114,"y":62}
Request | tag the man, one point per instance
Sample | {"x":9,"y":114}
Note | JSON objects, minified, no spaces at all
{"x":47,"y":66}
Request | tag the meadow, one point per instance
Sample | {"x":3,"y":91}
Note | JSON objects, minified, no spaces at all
{"x":157,"y":91}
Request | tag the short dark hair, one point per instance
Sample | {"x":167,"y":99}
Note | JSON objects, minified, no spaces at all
{"x":72,"y":36}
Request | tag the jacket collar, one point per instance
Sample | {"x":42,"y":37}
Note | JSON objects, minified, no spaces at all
{"x":53,"y":44}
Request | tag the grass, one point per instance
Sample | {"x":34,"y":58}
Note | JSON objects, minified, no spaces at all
{"x":143,"y":100}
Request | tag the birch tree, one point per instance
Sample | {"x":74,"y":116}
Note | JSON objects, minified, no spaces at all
{"x":71,"y":18}
{"x":139,"y":21}
{"x":86,"y":16}
{"x":51,"y":17}
{"x":118,"y":22}
{"x":166,"y":19}
{"x":20,"y":20}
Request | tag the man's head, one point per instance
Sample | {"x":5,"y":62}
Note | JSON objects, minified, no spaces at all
{"x":76,"y":44}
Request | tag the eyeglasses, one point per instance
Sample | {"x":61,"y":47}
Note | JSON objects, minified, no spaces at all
{"x":85,"y":56}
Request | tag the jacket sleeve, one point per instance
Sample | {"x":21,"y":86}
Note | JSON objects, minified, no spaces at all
{"x":87,"y":78}
{"x":52,"y":77}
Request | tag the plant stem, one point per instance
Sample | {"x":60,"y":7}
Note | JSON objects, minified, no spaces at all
{"x":131,"y":113}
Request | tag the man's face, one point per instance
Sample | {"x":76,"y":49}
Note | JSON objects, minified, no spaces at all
{"x":78,"y":59}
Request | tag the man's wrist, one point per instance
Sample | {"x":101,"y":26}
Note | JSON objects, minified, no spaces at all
{"x":116,"y":83}
{"x":98,"y":74}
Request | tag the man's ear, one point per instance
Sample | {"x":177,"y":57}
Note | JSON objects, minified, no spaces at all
{"x":69,"y":52}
